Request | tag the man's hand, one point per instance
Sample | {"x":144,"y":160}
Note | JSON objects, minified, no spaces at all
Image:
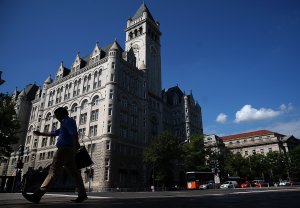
{"x":37,"y":133}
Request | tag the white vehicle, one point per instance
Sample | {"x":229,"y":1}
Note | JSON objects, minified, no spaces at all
{"x":229,"y":184}
{"x":286,"y":183}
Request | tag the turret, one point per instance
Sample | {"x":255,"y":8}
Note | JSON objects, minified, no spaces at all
{"x":62,"y":71}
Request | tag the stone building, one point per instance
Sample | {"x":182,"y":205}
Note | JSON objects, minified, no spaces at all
{"x":23,"y":104}
{"x":115,"y":96}
{"x":259,"y":142}
{"x":182,"y":114}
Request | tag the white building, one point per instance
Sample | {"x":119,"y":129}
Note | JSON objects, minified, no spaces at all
{"x":259,"y":142}
{"x":115,"y":96}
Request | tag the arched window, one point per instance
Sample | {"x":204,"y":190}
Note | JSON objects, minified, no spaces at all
{"x":48,"y":117}
{"x":88,"y":82}
{"x":84,"y":105}
{"x":30,"y":129}
{"x":95,"y":80}
{"x":84,"y":89}
{"x":95,"y":100}
{"x":74,"y":108}
{"x":75,"y":88}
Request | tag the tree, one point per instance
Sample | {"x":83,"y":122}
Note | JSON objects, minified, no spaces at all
{"x":195,"y":155}
{"x":276,"y":165}
{"x":162,"y":155}
{"x":236,"y":165}
{"x":294,"y":163}
{"x":8,"y":125}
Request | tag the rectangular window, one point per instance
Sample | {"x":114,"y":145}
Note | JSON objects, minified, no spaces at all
{"x":94,"y":115}
{"x":110,"y":110}
{"x":81,"y":131}
{"x":42,"y":156}
{"x":109,"y":127}
{"x":107,"y":145}
{"x":107,"y":162}
{"x":111,"y":94}
{"x":246,"y":152}
{"x":28,"y":140}
{"x":52,"y":141}
{"x":91,"y":150}
{"x":106,"y":174}
{"x":46,"y":128}
{"x":270,"y":149}
{"x":35,"y":143}
{"x":44,"y":142}
{"x":83,"y":118}
{"x":93,"y":130}
{"x":112,"y":77}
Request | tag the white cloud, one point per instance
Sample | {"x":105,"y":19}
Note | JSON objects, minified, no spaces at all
{"x":221,"y":118}
{"x":289,"y":128}
{"x":287,"y":108}
{"x":248,"y":113}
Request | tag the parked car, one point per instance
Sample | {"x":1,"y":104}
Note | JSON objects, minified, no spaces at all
{"x":286,"y":183}
{"x":259,"y":183}
{"x":207,"y":185}
{"x":229,"y":184}
{"x":246,"y":184}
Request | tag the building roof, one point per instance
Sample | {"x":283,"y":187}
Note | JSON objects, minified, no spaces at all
{"x":139,"y":13}
{"x":116,"y":46}
{"x":248,"y":134}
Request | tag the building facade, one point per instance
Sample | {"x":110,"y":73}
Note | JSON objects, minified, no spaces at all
{"x":115,"y":96}
{"x":259,"y":142}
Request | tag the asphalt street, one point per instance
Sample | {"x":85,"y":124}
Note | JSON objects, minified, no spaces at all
{"x":268,"y":197}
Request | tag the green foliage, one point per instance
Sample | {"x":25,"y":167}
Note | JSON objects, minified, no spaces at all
{"x":277,"y":165}
{"x":259,"y":166}
{"x":194,"y":154}
{"x":274,"y":166}
{"x":295,"y":163}
{"x":162,"y":155}
{"x":8,"y":125}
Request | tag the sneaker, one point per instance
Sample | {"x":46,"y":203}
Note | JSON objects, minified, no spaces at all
{"x":79,"y":199}
{"x":31,"y":197}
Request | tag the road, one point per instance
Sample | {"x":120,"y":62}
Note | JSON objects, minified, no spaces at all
{"x":247,"y":198}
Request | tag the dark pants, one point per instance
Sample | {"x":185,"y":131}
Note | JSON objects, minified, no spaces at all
{"x":64,"y":157}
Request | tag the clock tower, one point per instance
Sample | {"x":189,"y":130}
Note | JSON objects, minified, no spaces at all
{"x":143,"y":36}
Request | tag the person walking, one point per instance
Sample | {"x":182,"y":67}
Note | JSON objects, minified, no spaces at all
{"x":67,"y":145}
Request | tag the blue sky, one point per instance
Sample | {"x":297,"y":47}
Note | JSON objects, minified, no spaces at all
{"x":240,"y":58}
